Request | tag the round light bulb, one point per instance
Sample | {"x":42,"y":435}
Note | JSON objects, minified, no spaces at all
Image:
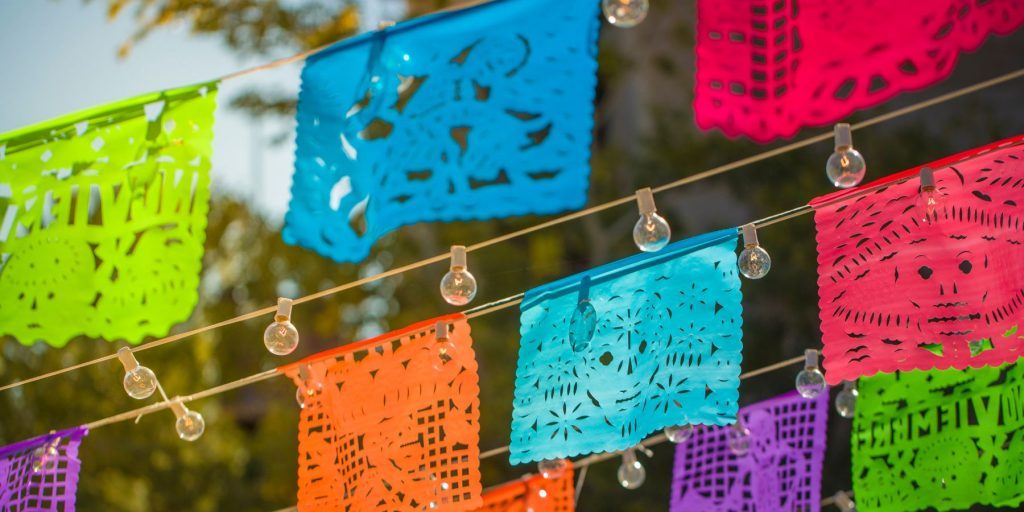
{"x":552,"y":468}
{"x":846,"y":167}
{"x":190,"y":426}
{"x":458,"y":287}
{"x":305,"y":392}
{"x":739,"y":440}
{"x":679,"y":434}
{"x":810,"y":382}
{"x":929,"y":202}
{"x":44,"y":458}
{"x":140,"y":382}
{"x":582,"y":326}
{"x":444,"y":353}
{"x":625,"y":13}
{"x":631,"y":473}
{"x":281,"y":337}
{"x":651,"y":232}
{"x":754,"y":262}
{"x":846,"y":400}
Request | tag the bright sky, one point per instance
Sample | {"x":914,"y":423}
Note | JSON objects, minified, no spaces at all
{"x":60,"y":56}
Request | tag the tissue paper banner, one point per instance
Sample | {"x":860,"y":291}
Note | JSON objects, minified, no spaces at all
{"x":767,"y":68}
{"x":942,"y":439}
{"x":615,"y":353}
{"x":477,"y":113}
{"x":533,"y":494}
{"x":391,"y":424}
{"x":41,"y":474}
{"x":781,"y":471}
{"x":897,"y":292}
{"x":104,"y":218}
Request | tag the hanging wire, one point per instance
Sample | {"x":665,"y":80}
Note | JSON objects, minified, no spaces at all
{"x":475,"y":312}
{"x":579,"y":484}
{"x":582,"y":463}
{"x":553,"y":222}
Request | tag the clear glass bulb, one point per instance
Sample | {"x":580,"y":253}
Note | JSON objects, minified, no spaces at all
{"x":305,"y":392}
{"x":754,"y":262}
{"x":582,"y":326}
{"x":281,"y":337}
{"x":625,"y":13}
{"x":929,"y":202}
{"x":190,"y":426}
{"x":552,"y":468}
{"x":44,"y":458}
{"x":445,"y":352}
{"x":739,"y":440}
{"x":458,"y":287}
{"x":679,"y":434}
{"x":140,"y":383}
{"x":846,"y":167}
{"x":846,"y":400}
{"x":810,"y":382}
{"x":631,"y":473}
{"x":651,"y":232}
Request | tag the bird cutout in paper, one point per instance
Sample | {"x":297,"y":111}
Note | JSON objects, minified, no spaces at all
{"x":781,"y":470}
{"x":104,"y":218}
{"x":533,"y":494}
{"x":610,"y":355}
{"x":939,"y":439}
{"x":391,"y":423}
{"x":897,"y":292}
{"x":479,"y":113}
{"x":41,"y":474}
{"x":767,"y":68}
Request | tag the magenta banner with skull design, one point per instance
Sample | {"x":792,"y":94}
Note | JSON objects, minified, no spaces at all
{"x":906,"y":284}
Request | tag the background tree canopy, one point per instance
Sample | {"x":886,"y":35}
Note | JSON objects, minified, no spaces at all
{"x":645,"y":135}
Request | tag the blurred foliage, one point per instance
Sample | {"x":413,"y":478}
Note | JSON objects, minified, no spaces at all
{"x":250,"y":27}
{"x":644,"y":135}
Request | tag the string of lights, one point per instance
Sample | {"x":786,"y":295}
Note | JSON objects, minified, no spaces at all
{"x":544,"y":225}
{"x":477,"y":312}
{"x":283,"y":315}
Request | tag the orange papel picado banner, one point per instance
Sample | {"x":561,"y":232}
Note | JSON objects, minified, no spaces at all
{"x":391,"y":423}
{"x":533,"y":494}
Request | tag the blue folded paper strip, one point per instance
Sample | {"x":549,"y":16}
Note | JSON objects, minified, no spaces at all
{"x":612,"y":354}
{"x":477,"y":113}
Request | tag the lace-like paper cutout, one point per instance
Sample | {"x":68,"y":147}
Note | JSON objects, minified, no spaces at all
{"x":665,"y":350}
{"x":943,"y":439}
{"x":782,"y":470}
{"x":383,"y":430}
{"x":767,"y":68}
{"x":41,"y":474}
{"x":104,"y":219}
{"x":897,"y":293}
{"x":533,"y":494}
{"x":479,"y":113}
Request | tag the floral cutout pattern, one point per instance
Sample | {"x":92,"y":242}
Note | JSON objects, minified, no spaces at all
{"x":665,"y":351}
{"x":533,"y":494}
{"x":391,"y":424}
{"x":939,"y":439}
{"x":104,"y":218}
{"x":767,"y":68}
{"x":899,"y":292}
{"x":781,"y":471}
{"x":41,"y":474}
{"x":478,"y":113}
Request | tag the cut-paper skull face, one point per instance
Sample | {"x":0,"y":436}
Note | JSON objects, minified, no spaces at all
{"x":900,"y":291}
